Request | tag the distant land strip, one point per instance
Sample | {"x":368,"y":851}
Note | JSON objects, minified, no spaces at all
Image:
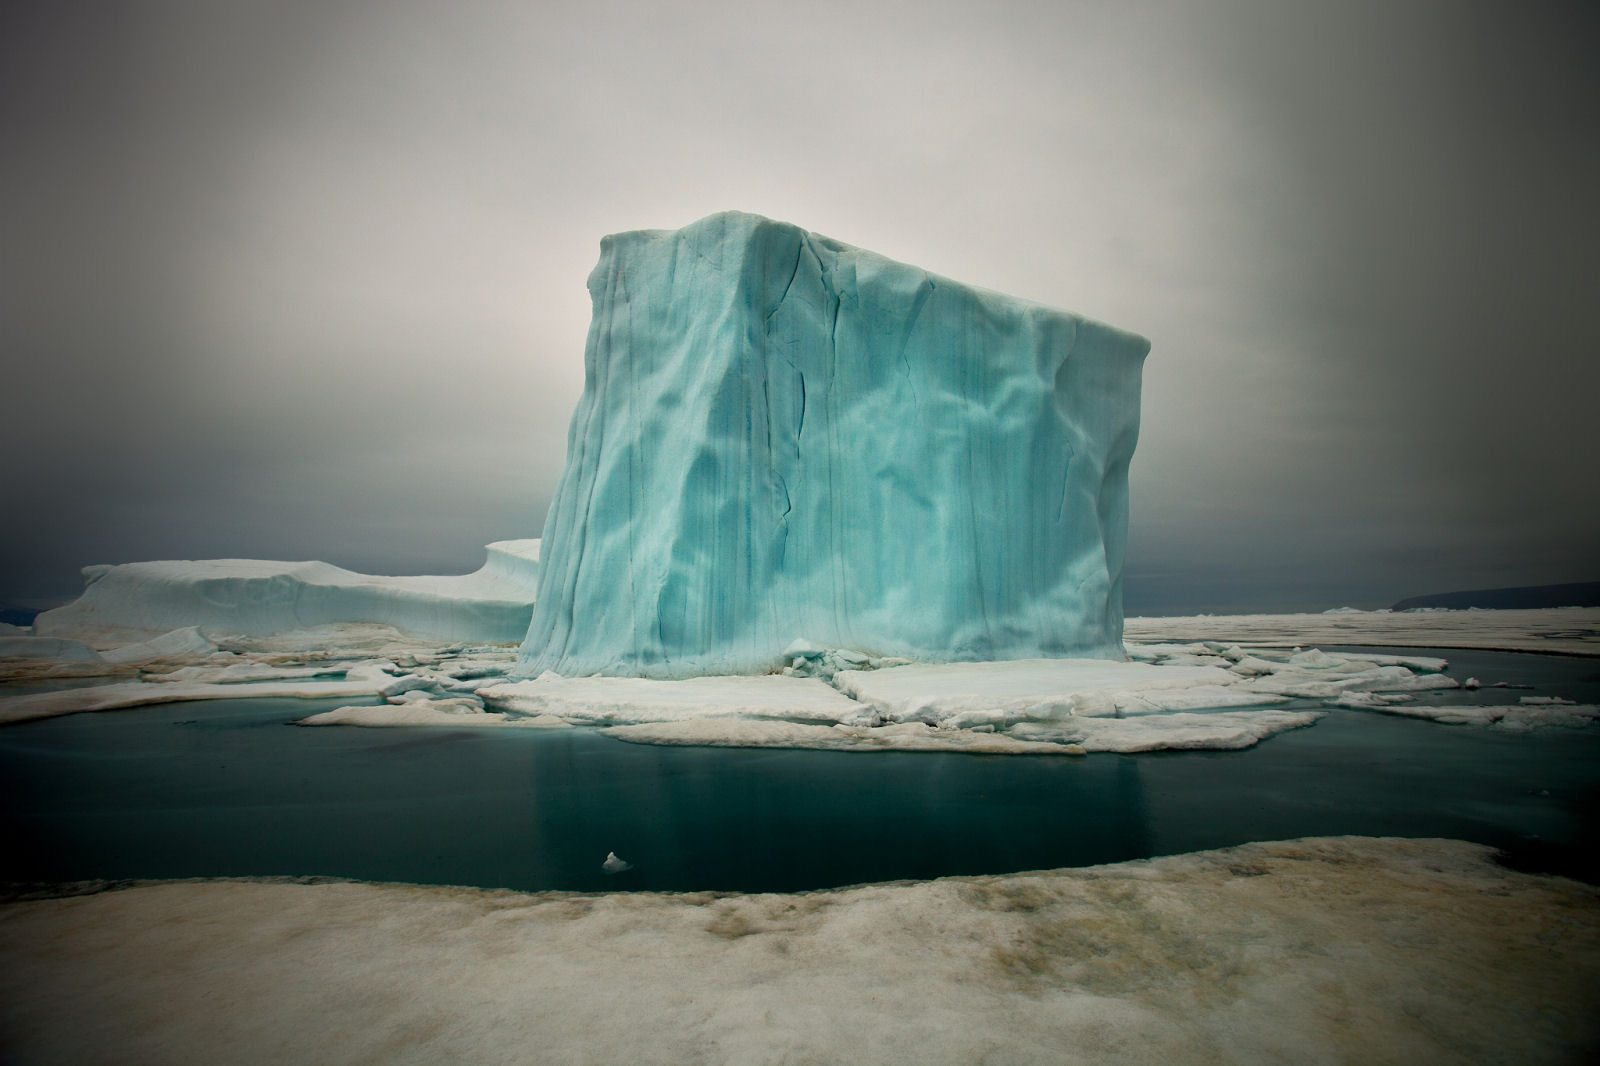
{"x":1529,"y":597}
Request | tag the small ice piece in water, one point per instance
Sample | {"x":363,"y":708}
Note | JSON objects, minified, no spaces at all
{"x":614,"y":865}
{"x":1471,"y":683}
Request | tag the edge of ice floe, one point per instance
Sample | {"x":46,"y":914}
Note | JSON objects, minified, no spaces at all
{"x":827,"y":700}
{"x":1224,"y":731}
{"x":1283,"y":944}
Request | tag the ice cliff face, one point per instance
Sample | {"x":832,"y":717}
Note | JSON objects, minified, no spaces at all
{"x":782,"y":437}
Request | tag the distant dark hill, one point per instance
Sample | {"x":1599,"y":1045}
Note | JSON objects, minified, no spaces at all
{"x":1574,"y":594}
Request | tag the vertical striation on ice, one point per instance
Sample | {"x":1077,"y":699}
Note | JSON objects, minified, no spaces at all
{"x":784,"y":437}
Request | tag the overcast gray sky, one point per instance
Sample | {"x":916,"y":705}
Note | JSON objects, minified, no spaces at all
{"x":306,"y":280}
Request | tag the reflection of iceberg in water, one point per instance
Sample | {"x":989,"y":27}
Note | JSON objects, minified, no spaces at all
{"x":614,"y":865}
{"x":750,"y":820}
{"x":1133,"y":812}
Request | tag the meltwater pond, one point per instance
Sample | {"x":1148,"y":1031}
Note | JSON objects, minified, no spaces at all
{"x":230,"y":788}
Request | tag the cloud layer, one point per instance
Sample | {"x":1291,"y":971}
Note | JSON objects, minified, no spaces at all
{"x":307,"y":280}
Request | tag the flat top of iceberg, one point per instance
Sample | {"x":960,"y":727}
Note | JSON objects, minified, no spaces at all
{"x":747,"y":220}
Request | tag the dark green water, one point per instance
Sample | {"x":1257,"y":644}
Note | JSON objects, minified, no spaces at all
{"x":229,"y":788}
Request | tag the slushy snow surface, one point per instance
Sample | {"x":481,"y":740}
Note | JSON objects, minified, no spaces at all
{"x":784,"y":436}
{"x":257,"y":596}
{"x":1343,"y":950}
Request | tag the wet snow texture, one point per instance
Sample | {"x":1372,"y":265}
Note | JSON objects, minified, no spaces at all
{"x":1339,"y":950}
{"x":783,"y":436}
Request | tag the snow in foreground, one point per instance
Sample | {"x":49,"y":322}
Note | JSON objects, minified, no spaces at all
{"x":1322,"y":950}
{"x":1205,"y":694}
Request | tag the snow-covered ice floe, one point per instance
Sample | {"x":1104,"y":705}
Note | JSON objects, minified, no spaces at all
{"x":1563,"y":630}
{"x":1167,"y":696}
{"x":1078,"y":736}
{"x":1531,"y":712}
{"x":1003,"y":693}
{"x":29,"y":655}
{"x":364,"y":679}
{"x":1048,"y":706}
{"x":1321,"y":950}
{"x":609,"y":700}
{"x":447,"y":712}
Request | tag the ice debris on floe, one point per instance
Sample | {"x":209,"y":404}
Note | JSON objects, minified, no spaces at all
{"x":1304,"y":673}
{"x":805,"y":659}
{"x":781,"y":434}
{"x":614,"y":865}
{"x":1005,"y":693}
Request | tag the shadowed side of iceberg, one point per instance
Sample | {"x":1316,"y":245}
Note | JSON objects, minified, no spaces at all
{"x":782,"y":436}
{"x":255,"y":596}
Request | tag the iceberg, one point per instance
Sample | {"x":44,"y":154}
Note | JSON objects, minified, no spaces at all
{"x":256,"y":597}
{"x":784,"y":437}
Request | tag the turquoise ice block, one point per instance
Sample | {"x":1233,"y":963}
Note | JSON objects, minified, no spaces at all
{"x":784,"y":437}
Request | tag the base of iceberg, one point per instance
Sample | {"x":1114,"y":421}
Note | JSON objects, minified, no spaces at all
{"x":258,"y":596}
{"x":1169,"y":696}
